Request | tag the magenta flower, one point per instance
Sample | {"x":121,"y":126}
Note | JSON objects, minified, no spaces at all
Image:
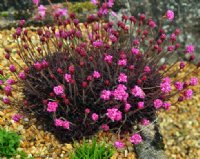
{"x":17,"y":117}
{"x":119,"y":144}
{"x":95,"y":2}
{"x":8,"y":90}
{"x":136,"y":139}
{"x":58,"y":90}
{"x":158,"y":103}
{"x":61,"y":12}
{"x":6,"y":100}
{"x":127,"y":107}
{"x":36,"y":2}
{"x":96,"y":74}
{"x":178,"y":85}
{"x":188,"y":94}
{"x":95,"y":117}
{"x":194,"y":81}
{"x":58,"y":122}
{"x":189,"y":49}
{"x":165,"y":85}
{"x":105,"y":94}
{"x":120,"y":93}
{"x":170,"y":15}
{"x":152,"y":24}
{"x":138,"y":92}
{"x":145,"y":122}
{"x":114,"y":114}
{"x":108,"y":59}
{"x":12,"y":68}
{"x":166,"y":105}
{"x":105,"y":127}
{"x":122,"y":77}
{"x":42,"y":11}
{"x":97,"y":44}
{"x":68,"y":77}
{"x":122,"y":62}
{"x":140,"y":105}
{"x":52,"y":106}
{"x":22,"y":75}
{"x":66,"y":124}
{"x":147,"y":69}
{"x":135,"y":51}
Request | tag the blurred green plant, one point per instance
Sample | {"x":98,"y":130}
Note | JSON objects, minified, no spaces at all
{"x":93,"y":150}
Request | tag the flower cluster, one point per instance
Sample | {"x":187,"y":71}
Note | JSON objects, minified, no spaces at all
{"x":82,"y":77}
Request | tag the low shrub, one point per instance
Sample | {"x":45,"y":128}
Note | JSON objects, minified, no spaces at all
{"x":92,"y":150}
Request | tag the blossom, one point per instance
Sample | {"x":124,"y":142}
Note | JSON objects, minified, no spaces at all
{"x":17,"y":117}
{"x":120,"y":93}
{"x":52,"y":106}
{"x":138,"y":92}
{"x":66,"y":124}
{"x":122,"y":77}
{"x":58,"y":122}
{"x":140,"y":105}
{"x":6,"y":100}
{"x":96,"y":74}
{"x":8,"y":90}
{"x":127,"y":107}
{"x":87,"y":110}
{"x":122,"y":62}
{"x":36,"y":2}
{"x":97,"y":44}
{"x":110,"y":3}
{"x":114,"y":114}
{"x":166,"y":105}
{"x":135,"y":51}
{"x":165,"y":85}
{"x":12,"y":68}
{"x":42,"y":11}
{"x":145,"y":121}
{"x":95,"y":117}
{"x":108,"y":59}
{"x":105,"y":127}
{"x":10,"y":81}
{"x":152,"y":24}
{"x":136,"y":139}
{"x":147,"y":69}
{"x":68,"y":77}
{"x":95,"y":2}
{"x":22,"y":75}
{"x":105,"y":94}
{"x":188,"y":94}
{"x":178,"y":85}
{"x":61,"y":12}
{"x":158,"y":103}
{"x":189,"y":49}
{"x":194,"y":81}
{"x":170,"y":15}
{"x":119,"y":144}
{"x":58,"y":90}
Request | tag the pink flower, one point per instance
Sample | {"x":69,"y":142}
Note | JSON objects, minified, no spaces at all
{"x":42,"y":11}
{"x":95,"y":2}
{"x":119,"y":144}
{"x":87,"y":110}
{"x":122,"y":77}
{"x":170,"y":48}
{"x":136,"y":139}
{"x":178,"y":85}
{"x":188,"y":94}
{"x":127,"y":107}
{"x":36,"y":2}
{"x":138,"y":92}
{"x":8,"y":90}
{"x":6,"y":100}
{"x":194,"y":81}
{"x":68,"y":77}
{"x":152,"y":24}
{"x":166,"y":105}
{"x":147,"y":69}
{"x":165,"y":85}
{"x":52,"y":106}
{"x":120,"y":93}
{"x":140,"y":105}
{"x":145,"y":121}
{"x":61,"y":12}
{"x":22,"y":75}
{"x":95,"y":117}
{"x":105,"y":127}
{"x":66,"y":124}
{"x":12,"y":68}
{"x":97,"y":44}
{"x":114,"y":14}
{"x":17,"y":117}
{"x":135,"y":51}
{"x":190,"y":49}
{"x":105,"y":94}
{"x":170,"y":15}
{"x":96,"y":74}
{"x":58,"y":122}
{"x":114,"y":114}
{"x":108,"y":59}
{"x":10,"y":81}
{"x":122,"y":62}
{"x":110,"y":3}
{"x":158,"y":103}
{"x":58,"y":90}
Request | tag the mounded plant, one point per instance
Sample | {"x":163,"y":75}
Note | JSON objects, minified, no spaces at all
{"x":78,"y":78}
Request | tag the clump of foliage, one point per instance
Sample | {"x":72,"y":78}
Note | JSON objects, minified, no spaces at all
{"x":9,"y":142}
{"x":79,"y":78}
{"x":95,"y":150}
